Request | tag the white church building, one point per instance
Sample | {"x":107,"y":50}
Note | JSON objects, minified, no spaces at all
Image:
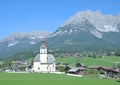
{"x":44,"y":62}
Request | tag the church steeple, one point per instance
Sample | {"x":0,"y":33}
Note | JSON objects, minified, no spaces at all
{"x":44,"y":62}
{"x":43,"y":48}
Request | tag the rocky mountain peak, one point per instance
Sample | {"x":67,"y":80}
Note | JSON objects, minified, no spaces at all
{"x":78,"y":28}
{"x":30,"y":35}
{"x":104,"y":23}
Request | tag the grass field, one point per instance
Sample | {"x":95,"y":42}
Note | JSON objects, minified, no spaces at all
{"x":104,"y":61}
{"x":51,"y":79}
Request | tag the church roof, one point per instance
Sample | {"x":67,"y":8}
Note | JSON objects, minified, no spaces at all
{"x":50,"y":58}
{"x":37,"y":58}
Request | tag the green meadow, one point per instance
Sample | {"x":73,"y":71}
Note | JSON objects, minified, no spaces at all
{"x":51,"y":79}
{"x":88,"y":61}
{"x":62,"y":79}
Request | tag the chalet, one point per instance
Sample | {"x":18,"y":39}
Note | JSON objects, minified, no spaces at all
{"x":109,"y":72}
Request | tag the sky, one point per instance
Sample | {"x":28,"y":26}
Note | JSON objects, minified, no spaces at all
{"x":46,"y":15}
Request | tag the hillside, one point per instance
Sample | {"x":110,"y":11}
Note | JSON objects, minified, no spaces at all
{"x":87,"y":61}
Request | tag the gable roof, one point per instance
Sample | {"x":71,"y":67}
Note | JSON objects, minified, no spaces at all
{"x":75,"y":69}
{"x":50,"y":58}
{"x":37,"y":58}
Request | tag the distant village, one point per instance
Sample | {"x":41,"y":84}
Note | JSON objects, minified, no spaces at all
{"x":44,"y":62}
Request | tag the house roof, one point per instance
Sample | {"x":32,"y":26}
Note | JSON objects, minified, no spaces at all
{"x":50,"y":58}
{"x":76,"y":69}
{"x":94,"y":67}
{"x":111,"y":69}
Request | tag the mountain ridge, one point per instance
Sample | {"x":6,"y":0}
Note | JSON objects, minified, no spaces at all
{"x":103,"y":23}
{"x":81,"y":34}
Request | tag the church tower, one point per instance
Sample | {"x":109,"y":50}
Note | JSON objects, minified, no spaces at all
{"x":44,"y":62}
{"x":43,"y":51}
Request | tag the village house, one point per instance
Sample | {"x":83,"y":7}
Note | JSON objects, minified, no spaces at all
{"x":44,"y":62}
{"x":77,"y":70}
{"x":109,"y":72}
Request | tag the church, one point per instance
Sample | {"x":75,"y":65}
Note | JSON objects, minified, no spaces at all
{"x":43,"y":62}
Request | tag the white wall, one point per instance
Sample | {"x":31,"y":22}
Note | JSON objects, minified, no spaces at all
{"x":37,"y":67}
{"x":43,"y":58}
